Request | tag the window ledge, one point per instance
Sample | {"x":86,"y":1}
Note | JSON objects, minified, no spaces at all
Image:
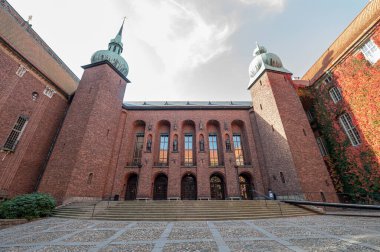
{"x":188,"y":166}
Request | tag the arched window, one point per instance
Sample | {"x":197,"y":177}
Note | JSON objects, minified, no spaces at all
{"x":239,"y":157}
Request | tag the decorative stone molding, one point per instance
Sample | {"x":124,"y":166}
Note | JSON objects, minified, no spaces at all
{"x":49,"y":92}
{"x":21,"y":70}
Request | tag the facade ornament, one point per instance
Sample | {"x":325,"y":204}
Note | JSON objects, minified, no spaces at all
{"x":200,"y":125}
{"x":225,"y":126}
{"x":175,"y":145}
{"x":228,"y":144}
{"x":21,"y":71}
{"x":149,"y":145}
{"x":175,"y":126}
{"x":49,"y":92}
{"x":201,"y":145}
{"x":150,"y":126}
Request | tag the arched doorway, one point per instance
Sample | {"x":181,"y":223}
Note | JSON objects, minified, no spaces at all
{"x":217,"y":187}
{"x":245,"y":187}
{"x":160,"y":190}
{"x":131,"y":190}
{"x":188,"y":187}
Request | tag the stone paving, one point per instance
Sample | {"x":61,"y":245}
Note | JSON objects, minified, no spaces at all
{"x":311,"y":233}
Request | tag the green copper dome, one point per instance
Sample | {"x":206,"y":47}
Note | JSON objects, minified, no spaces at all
{"x":115,"y":48}
{"x":262,"y":60}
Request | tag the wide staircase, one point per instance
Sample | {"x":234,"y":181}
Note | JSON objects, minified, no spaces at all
{"x":182,"y":210}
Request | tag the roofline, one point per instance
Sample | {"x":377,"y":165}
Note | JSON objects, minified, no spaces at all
{"x":188,"y":107}
{"x":260,"y":73}
{"x":347,"y":41}
{"x":34,"y":68}
{"x":110,"y":64}
{"x":7,"y":6}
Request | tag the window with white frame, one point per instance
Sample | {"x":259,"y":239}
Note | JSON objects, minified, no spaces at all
{"x":351,"y":131}
{"x":328,"y":79}
{"x":335,"y":94}
{"x":371,"y":51}
{"x":321,"y":146}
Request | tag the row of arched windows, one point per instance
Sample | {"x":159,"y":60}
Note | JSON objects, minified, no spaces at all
{"x":187,"y":142}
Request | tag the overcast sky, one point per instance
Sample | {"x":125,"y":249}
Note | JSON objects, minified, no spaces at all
{"x":190,"y":50}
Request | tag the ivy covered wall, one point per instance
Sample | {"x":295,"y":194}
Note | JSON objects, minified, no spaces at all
{"x":354,"y":169}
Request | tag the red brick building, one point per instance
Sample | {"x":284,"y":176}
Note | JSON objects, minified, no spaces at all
{"x":94,"y":145}
{"x":342,"y":101}
{"x":35,"y":87}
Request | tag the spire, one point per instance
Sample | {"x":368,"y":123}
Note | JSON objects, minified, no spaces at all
{"x":121,"y":28}
{"x":259,"y":50}
{"x":115,"y":44}
{"x":112,"y":55}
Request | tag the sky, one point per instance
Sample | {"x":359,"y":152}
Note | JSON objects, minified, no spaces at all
{"x":182,"y":50}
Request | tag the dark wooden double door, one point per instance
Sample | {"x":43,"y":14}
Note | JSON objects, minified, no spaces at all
{"x":246,"y":188}
{"x":217,"y":188}
{"x":131,"y":190}
{"x":160,"y":188}
{"x":188,"y":188}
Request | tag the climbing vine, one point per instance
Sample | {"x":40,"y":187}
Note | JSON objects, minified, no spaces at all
{"x":354,"y":169}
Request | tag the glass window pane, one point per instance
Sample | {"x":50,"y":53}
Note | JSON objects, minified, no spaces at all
{"x":239,"y":157}
{"x":164,"y":144}
{"x":213,"y":147}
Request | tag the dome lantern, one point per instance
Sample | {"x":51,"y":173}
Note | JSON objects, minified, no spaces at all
{"x":115,"y":48}
{"x":262,"y":60}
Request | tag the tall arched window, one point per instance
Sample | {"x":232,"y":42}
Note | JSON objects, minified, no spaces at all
{"x":213,"y":148}
{"x":239,"y":157}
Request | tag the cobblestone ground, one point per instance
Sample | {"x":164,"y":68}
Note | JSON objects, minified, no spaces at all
{"x":312,"y":233}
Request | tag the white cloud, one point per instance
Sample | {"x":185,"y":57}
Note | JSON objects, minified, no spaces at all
{"x":271,"y":5}
{"x":172,"y":39}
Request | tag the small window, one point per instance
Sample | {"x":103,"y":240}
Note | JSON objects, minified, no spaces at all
{"x":371,"y":52}
{"x":15,"y":135}
{"x":35,"y":96}
{"x":335,"y":94}
{"x":49,"y":92}
{"x":321,"y":146}
{"x":282,"y":177}
{"x":328,"y":79}
{"x":89,"y":179}
{"x":309,"y":116}
{"x":351,"y":131}
{"x":21,"y":71}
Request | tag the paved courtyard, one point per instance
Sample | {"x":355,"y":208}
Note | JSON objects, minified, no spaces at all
{"x":312,"y":233}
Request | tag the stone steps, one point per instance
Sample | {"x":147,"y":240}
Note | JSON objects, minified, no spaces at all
{"x":181,"y":210}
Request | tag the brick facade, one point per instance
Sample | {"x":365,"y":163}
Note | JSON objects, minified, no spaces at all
{"x":20,"y":170}
{"x":85,"y":148}
{"x":80,"y":161}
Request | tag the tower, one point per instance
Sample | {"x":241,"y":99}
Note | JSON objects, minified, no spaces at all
{"x":292,"y":162}
{"x":80,"y":162}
